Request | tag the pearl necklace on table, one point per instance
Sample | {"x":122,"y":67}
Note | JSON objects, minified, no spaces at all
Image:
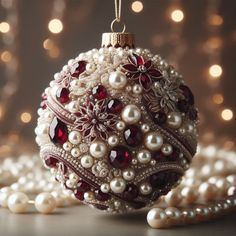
{"x":25,"y":179}
{"x":208,"y":189}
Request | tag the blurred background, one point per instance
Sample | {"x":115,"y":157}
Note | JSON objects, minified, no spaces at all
{"x":38,"y":37}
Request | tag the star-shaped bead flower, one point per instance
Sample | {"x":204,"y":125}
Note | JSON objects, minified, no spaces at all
{"x":141,"y":71}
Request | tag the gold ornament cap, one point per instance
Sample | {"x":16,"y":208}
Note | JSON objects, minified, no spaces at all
{"x":118,"y":39}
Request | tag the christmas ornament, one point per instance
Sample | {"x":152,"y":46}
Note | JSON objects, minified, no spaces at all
{"x":118,"y":125}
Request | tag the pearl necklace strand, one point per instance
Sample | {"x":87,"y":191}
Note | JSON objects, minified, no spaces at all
{"x":207,"y":191}
{"x":25,"y":179}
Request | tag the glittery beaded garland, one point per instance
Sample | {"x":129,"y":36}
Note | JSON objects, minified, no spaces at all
{"x":124,"y":122}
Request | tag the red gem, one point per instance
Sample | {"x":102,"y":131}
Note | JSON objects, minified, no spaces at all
{"x":63,"y":95}
{"x":145,"y":81}
{"x":99,"y":92}
{"x":133,"y":135}
{"x":51,"y":162}
{"x":80,"y":69}
{"x":159,"y":117}
{"x":131,"y":192}
{"x":115,"y":106}
{"x":183,"y":105}
{"x":100,"y":196}
{"x":43,"y":105}
{"x":58,"y":131}
{"x":44,"y":96}
{"x":187,"y":94}
{"x":82,"y":187}
{"x":120,"y":157}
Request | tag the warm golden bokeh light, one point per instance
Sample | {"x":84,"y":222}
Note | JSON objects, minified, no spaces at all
{"x":54,"y":52}
{"x":214,"y":42}
{"x":4,"y":27}
{"x":25,"y":117}
{"x":215,"y":20}
{"x":215,"y":71}
{"x":227,"y":114}
{"x":6,"y":56}
{"x":177,"y":15}
{"x":55,"y":26}
{"x":218,"y":98}
{"x":48,"y":44}
{"x":137,"y":6}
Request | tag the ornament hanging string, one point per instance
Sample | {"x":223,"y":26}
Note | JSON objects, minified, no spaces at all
{"x":117,"y":17}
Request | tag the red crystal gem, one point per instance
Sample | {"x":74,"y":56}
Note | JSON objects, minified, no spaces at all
{"x":100,"y":196}
{"x":145,"y":81}
{"x":187,"y":94}
{"x":133,"y":135}
{"x":58,"y":131}
{"x":115,"y":106}
{"x":120,"y":157}
{"x":80,"y":69}
{"x":82,"y":187}
{"x":131,"y":192}
{"x":63,"y":95}
{"x":51,"y":162}
{"x":99,"y":92}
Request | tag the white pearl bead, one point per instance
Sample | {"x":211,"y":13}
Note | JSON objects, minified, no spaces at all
{"x":144,"y":156}
{"x":86,"y":161}
{"x":145,"y":189}
{"x":90,"y":68}
{"x":74,"y":137}
{"x":117,"y":80}
{"x":128,"y":174}
{"x":118,"y":185}
{"x":67,"y":146}
{"x":45,"y":203}
{"x":120,"y":125}
{"x":208,"y":192}
{"x":59,"y":197}
{"x":75,"y":152}
{"x":42,"y":129}
{"x":4,"y":195}
{"x":153,"y":141}
{"x":173,"y":198}
{"x":145,"y":128}
{"x":174,"y":120}
{"x":173,"y":213}
{"x":131,"y":114}
{"x":70,"y":183}
{"x":18,"y":202}
{"x":105,"y":188}
{"x":137,"y":89}
{"x":157,"y":218}
{"x":98,"y":149}
{"x":189,"y":195}
{"x":232,"y":191}
{"x":167,"y":149}
{"x":88,"y":196}
{"x":113,"y":140}
{"x":73,"y":107}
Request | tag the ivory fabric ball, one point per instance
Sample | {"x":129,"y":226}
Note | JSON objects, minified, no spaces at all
{"x":117,"y":127}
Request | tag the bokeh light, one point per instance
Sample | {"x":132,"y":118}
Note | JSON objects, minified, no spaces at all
{"x":177,"y":15}
{"x":55,"y":26}
{"x":215,"y":20}
{"x":137,"y":6}
{"x":218,"y":98}
{"x":215,"y":71}
{"x":227,"y":114}
{"x":4,"y":27}
{"x":25,"y":117}
{"x":6,"y":56}
{"x":48,"y":44}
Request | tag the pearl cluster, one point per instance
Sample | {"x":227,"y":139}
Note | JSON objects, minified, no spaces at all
{"x":203,"y":194}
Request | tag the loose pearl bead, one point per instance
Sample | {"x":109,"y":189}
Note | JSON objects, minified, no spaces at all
{"x":137,"y":89}
{"x":167,"y":149}
{"x":145,"y":128}
{"x":105,"y":188}
{"x":74,"y":137}
{"x":144,"y":156}
{"x":128,"y":174}
{"x":173,"y":198}
{"x":117,"y":80}
{"x":207,"y":192}
{"x":98,"y":149}
{"x":153,"y":141}
{"x":131,"y":114}
{"x":59,"y":197}
{"x":174,"y":120}
{"x":45,"y":203}
{"x":67,"y":146}
{"x":75,"y":152}
{"x":113,"y":140}
{"x":86,"y":161}
{"x":157,"y":218}
{"x":118,"y":185}
{"x":189,"y":195}
{"x":18,"y":202}
{"x":145,"y":188}
{"x":120,"y":125}
{"x":4,"y":195}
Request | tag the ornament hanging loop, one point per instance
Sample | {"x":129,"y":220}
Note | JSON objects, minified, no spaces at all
{"x":117,"y":17}
{"x":115,"y":21}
